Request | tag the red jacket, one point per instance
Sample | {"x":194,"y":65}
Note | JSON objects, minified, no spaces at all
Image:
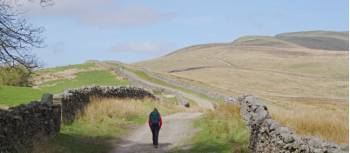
{"x":160,"y":122}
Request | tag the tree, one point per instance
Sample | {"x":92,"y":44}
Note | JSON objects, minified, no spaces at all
{"x":18,"y":37}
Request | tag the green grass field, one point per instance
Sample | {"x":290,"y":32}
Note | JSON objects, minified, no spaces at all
{"x":10,"y":95}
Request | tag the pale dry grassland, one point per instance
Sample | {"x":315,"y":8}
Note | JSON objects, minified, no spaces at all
{"x":305,"y":89}
{"x":327,"y":120}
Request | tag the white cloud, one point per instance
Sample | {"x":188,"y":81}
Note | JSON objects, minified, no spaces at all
{"x":105,"y":13}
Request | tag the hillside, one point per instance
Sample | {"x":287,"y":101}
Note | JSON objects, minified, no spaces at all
{"x":322,"y":40}
{"x":290,"y":77}
{"x":325,"y":40}
{"x":56,"y":80}
{"x":267,"y":41}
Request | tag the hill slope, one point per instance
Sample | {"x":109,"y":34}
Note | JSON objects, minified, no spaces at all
{"x":266,"y":41}
{"x":323,"y":40}
{"x":263,"y":61}
{"x":288,"y":76}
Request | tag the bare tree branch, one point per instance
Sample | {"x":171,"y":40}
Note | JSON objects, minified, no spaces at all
{"x":18,"y":37}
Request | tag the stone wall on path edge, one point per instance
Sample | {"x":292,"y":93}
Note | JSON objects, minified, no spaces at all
{"x":268,"y":136}
{"x":23,"y":126}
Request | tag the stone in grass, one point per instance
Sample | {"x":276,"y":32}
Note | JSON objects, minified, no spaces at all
{"x":47,"y":98}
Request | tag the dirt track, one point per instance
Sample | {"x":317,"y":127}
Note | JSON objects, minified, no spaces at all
{"x":176,"y":130}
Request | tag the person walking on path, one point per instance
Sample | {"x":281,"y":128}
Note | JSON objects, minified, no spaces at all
{"x":155,"y":123}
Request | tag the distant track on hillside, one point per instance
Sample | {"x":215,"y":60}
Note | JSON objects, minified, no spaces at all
{"x":204,"y":103}
{"x":201,"y":102}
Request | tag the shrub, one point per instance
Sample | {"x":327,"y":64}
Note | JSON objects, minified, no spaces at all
{"x":14,"y":76}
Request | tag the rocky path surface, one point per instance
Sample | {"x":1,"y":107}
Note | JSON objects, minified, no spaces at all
{"x":176,"y":130}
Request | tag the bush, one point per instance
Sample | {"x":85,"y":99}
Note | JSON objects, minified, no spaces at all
{"x":14,"y":76}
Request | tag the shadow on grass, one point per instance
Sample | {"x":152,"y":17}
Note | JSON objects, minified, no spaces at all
{"x":72,"y":143}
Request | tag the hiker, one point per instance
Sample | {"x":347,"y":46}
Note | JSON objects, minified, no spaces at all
{"x":155,"y":123}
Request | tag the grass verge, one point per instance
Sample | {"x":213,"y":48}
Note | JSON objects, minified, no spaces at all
{"x":221,"y":131}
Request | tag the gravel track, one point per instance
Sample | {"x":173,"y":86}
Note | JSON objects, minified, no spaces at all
{"x":176,"y":131}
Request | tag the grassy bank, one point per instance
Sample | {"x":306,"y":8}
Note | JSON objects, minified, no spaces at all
{"x":11,"y":95}
{"x":105,"y":120}
{"x":221,"y":131}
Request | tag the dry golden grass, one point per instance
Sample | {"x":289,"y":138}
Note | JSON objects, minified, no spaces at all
{"x":316,"y":124}
{"x":305,"y":89}
{"x":125,"y":109}
{"x":103,"y":122}
{"x":328,"y":121}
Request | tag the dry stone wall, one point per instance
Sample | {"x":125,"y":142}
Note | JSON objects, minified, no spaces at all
{"x":73,"y":101}
{"x":268,"y":136}
{"x":23,"y":126}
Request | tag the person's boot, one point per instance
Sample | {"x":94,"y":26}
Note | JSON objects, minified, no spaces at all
{"x":155,"y":146}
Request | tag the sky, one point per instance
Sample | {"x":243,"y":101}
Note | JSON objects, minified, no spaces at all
{"x":131,"y":31}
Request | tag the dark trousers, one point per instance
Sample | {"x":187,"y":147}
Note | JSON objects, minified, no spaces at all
{"x":155,"y":132}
